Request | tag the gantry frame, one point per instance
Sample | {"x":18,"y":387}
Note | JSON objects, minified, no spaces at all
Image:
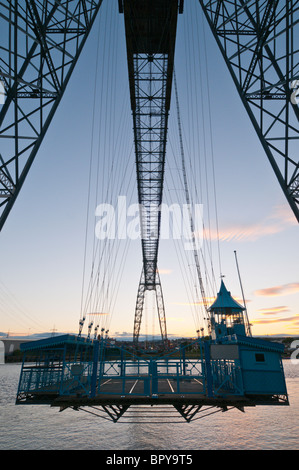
{"x":44,"y":41}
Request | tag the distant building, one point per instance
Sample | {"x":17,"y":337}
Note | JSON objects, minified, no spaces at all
{"x":2,"y":353}
{"x":11,"y":345}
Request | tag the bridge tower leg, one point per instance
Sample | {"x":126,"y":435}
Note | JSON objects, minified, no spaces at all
{"x":258,"y":41}
{"x":142,"y":288}
{"x":40,"y":47}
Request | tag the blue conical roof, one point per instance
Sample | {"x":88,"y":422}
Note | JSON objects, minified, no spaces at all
{"x":224,"y":300}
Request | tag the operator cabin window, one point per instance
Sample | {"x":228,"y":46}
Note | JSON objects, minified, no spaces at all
{"x":260,"y":357}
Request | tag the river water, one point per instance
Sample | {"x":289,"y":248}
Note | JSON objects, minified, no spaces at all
{"x":27,"y":427}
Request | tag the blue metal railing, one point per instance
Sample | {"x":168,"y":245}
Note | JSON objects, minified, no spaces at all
{"x":227,"y":377}
{"x":151,"y":372}
{"x":129,"y":375}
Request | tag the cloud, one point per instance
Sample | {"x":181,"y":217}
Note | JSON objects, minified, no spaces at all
{"x":276,"y":320}
{"x":98,"y":314}
{"x":273,"y":310}
{"x":176,"y":319}
{"x":284,"y":289}
{"x":123,"y":334}
{"x":277,"y":221}
{"x":164,"y":271}
{"x":209,"y":301}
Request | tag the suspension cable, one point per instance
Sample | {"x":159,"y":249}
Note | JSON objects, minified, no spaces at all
{"x":196,"y":258}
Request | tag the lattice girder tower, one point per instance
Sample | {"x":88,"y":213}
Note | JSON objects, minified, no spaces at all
{"x":150,"y":28}
{"x":259,"y":43}
{"x":40,"y":46}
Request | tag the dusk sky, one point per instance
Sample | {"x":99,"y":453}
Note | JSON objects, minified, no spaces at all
{"x":42,"y":244}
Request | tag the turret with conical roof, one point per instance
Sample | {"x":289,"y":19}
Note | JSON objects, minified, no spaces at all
{"x":227,"y":315}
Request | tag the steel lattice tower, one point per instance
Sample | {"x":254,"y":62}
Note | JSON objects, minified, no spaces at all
{"x":43,"y":43}
{"x":259,"y":43}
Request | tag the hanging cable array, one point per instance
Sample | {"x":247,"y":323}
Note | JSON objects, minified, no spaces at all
{"x":199,"y":184}
{"x":192,"y":226}
{"x":110,"y":184}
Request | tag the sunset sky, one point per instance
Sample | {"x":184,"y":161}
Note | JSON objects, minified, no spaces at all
{"x":42,"y":244}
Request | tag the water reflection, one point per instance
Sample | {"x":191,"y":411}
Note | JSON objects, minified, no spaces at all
{"x":42,"y":427}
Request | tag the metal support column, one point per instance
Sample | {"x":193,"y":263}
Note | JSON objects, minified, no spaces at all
{"x":142,"y":288}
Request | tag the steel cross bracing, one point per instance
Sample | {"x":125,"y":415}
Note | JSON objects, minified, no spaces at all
{"x":150,"y":36}
{"x":40,"y":45}
{"x":259,"y":43}
{"x":41,"y":42}
{"x":140,"y":305}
